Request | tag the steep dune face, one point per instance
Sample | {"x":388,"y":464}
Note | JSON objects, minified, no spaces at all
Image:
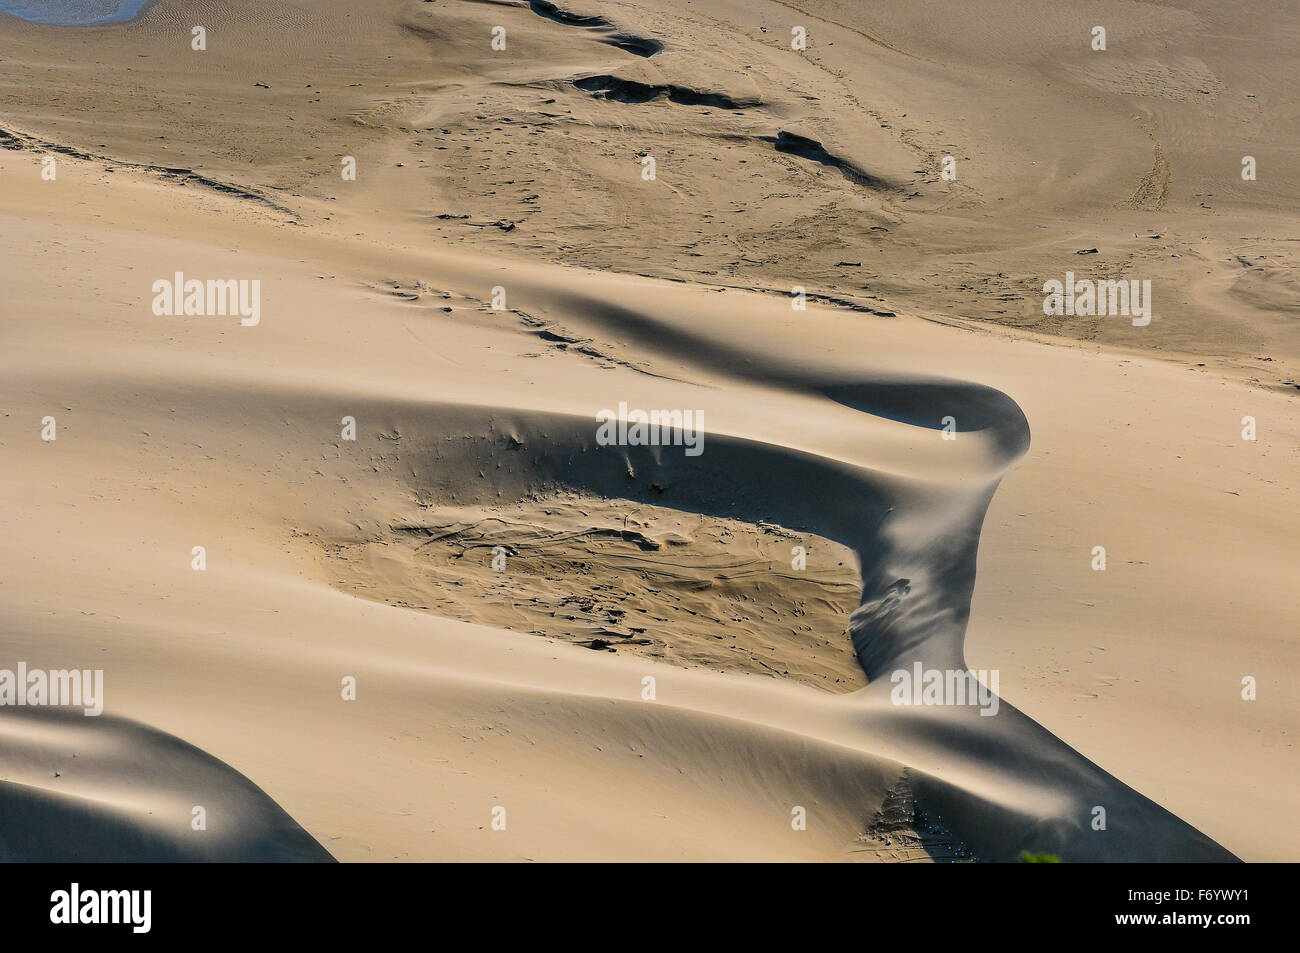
{"x":430,"y":589}
{"x":79,"y":788}
{"x":222,"y":418}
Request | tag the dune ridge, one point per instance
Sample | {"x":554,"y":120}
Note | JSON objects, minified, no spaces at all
{"x":824,"y":429}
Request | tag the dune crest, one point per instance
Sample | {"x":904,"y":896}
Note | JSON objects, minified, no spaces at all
{"x":366,"y":548}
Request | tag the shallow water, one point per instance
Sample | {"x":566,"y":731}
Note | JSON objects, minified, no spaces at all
{"x":73,"y":12}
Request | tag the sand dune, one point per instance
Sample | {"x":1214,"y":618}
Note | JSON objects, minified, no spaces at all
{"x":105,"y":789}
{"x":398,"y":487}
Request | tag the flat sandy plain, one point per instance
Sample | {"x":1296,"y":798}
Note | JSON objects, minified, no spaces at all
{"x":522,"y":692}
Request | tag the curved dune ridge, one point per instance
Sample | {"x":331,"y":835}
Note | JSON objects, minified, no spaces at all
{"x":862,"y":471}
{"x":108,"y":789}
{"x":372,"y":560}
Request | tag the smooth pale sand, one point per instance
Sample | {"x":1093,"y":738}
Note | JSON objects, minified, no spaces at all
{"x":475,"y":427}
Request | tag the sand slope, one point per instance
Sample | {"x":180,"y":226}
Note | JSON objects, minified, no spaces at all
{"x":105,"y":789}
{"x":369,"y":559}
